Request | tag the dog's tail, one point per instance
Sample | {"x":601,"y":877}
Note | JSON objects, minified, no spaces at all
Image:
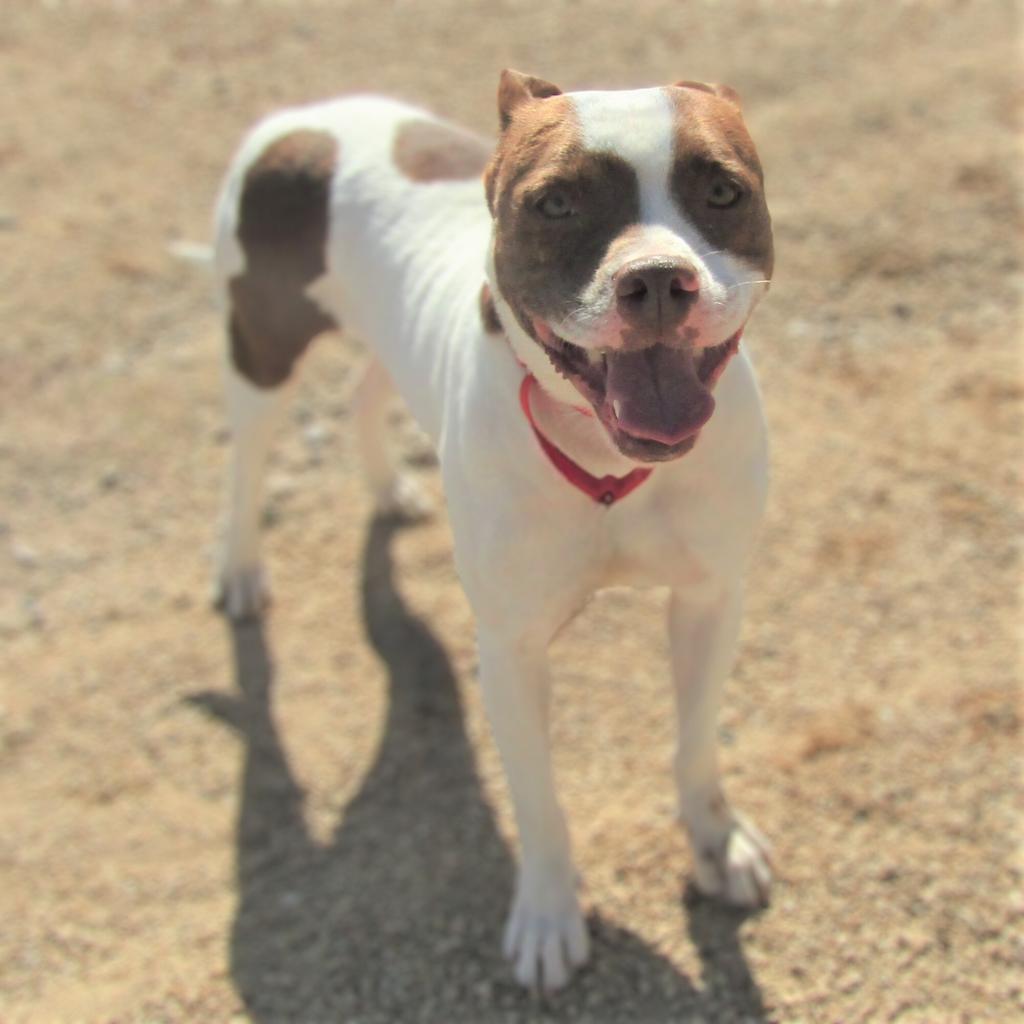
{"x":191,"y":252}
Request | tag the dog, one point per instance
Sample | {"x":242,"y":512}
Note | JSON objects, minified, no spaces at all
{"x":562,"y":315}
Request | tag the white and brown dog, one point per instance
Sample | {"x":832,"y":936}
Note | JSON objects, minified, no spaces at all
{"x":567,"y":331}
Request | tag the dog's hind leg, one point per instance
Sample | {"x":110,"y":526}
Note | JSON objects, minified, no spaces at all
{"x":394,"y":494}
{"x":271,"y":249}
{"x":731,"y":857}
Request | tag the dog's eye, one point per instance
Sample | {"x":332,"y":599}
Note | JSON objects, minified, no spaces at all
{"x":723,"y":194}
{"x":555,"y":205}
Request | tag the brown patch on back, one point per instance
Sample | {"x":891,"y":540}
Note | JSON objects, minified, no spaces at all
{"x":552,"y":260}
{"x":712,"y":143}
{"x":426,"y":151}
{"x":282,"y":227}
{"x":488,"y":313}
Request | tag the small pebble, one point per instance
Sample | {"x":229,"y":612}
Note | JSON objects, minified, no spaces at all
{"x":25,"y":556}
{"x":34,"y":617}
{"x":281,"y":485}
{"x":114,"y":363}
{"x":190,"y":252}
{"x":316,"y":434}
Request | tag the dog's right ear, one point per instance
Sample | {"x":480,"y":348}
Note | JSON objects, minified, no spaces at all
{"x":725,"y":92}
{"x":515,"y":88}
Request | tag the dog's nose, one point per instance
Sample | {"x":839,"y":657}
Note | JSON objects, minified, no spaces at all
{"x":656,"y":296}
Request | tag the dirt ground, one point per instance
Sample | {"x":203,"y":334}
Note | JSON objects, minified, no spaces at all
{"x":304,"y":821}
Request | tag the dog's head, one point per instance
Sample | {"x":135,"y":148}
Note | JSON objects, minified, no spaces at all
{"x":631,"y":243}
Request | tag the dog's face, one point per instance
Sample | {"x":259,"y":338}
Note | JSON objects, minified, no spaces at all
{"x":631,"y":242}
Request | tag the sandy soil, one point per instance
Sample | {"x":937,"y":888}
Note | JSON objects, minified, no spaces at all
{"x":305,"y":821}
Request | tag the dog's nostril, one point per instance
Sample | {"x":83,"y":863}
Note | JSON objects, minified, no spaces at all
{"x":633,"y":289}
{"x":683,"y":283}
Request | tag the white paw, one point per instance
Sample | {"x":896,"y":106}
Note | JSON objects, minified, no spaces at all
{"x":736,"y":868}
{"x":404,"y":499}
{"x":242,"y":593}
{"x":546,"y":939}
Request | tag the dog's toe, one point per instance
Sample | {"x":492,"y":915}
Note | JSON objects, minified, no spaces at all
{"x":748,"y":872}
{"x":404,"y":500}
{"x":545,"y":948}
{"x":738,"y":870}
{"x":242,"y":593}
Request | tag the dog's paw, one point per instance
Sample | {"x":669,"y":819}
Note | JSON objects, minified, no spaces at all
{"x":736,"y":869}
{"x":242,"y":593}
{"x":546,"y":938}
{"x":403,"y":499}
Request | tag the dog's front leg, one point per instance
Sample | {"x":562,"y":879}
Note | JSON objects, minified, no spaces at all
{"x":730,"y":856}
{"x":545,"y":936}
{"x":254,"y":414}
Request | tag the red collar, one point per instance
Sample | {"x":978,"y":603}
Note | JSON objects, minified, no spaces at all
{"x":605,"y":489}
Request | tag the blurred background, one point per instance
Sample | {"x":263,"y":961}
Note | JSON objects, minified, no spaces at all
{"x":305,"y":820}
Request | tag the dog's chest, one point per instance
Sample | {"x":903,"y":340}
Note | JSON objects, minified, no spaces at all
{"x":648,"y":553}
{"x":681,"y":536}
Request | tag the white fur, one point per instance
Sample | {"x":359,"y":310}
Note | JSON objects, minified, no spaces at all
{"x":405,"y":266}
{"x":254,"y":414}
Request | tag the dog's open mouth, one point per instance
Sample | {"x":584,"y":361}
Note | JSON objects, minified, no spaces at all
{"x":653,"y":401}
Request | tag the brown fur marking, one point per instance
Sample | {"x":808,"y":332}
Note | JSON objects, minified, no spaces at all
{"x":552,"y":259}
{"x":515,"y":89}
{"x":282,"y":228}
{"x":712,"y":144}
{"x":426,"y":151}
{"x":715,"y":88}
{"x":488,"y":314}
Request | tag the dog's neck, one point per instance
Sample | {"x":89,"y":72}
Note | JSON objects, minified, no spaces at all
{"x":578,"y":435}
{"x":557,"y":405}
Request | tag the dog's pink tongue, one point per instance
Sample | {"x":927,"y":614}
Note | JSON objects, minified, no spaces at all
{"x":657,"y":393}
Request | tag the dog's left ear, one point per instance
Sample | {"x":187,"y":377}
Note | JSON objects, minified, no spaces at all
{"x":515,"y":88}
{"x":724,"y":91}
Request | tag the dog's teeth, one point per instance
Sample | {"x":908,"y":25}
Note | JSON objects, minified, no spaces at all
{"x":616,"y":405}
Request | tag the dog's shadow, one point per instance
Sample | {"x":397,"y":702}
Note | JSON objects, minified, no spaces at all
{"x":399,"y":917}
